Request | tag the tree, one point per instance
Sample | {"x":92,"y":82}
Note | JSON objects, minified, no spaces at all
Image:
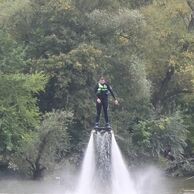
{"x":155,"y":136}
{"x":11,"y":54}
{"x":48,"y":147}
{"x":19,"y":113}
{"x":169,"y":52}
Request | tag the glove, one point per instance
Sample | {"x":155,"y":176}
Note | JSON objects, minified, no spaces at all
{"x":98,"y":100}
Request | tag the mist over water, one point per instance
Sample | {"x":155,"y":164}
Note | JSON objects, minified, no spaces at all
{"x":150,"y":180}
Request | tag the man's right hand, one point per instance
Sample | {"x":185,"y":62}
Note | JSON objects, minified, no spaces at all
{"x":116,"y":102}
{"x":98,"y":100}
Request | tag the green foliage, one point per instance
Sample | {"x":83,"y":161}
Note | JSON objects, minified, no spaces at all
{"x":169,"y":56}
{"x":48,"y":145}
{"x":169,"y":51}
{"x":86,"y":5}
{"x":72,"y":78}
{"x":155,"y":136}
{"x":11,"y":54}
{"x":18,"y":111}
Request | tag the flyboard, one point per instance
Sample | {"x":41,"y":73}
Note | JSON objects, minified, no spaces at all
{"x":102,"y":129}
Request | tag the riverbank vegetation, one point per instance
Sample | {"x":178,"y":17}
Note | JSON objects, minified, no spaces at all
{"x":52,"y":52}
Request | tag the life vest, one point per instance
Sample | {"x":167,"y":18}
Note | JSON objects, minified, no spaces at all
{"x":102,"y":88}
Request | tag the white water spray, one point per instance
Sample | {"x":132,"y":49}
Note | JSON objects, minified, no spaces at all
{"x":121,"y":180}
{"x":86,"y":181}
{"x":105,"y":172}
{"x":102,"y":144}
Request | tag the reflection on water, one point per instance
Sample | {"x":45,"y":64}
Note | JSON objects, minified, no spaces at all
{"x":32,"y":187}
{"x":181,"y":185}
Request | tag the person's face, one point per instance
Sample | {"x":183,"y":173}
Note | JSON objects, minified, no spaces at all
{"x":102,"y":81}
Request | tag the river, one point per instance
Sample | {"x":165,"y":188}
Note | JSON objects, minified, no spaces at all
{"x":174,"y":186}
{"x":181,"y":185}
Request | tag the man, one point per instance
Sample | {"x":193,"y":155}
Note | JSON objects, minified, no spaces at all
{"x":102,"y":90}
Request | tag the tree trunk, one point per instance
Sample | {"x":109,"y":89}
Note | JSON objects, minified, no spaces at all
{"x":36,"y":167}
{"x":163,"y":87}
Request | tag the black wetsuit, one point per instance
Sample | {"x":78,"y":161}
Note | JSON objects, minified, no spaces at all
{"x":102,"y":94}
